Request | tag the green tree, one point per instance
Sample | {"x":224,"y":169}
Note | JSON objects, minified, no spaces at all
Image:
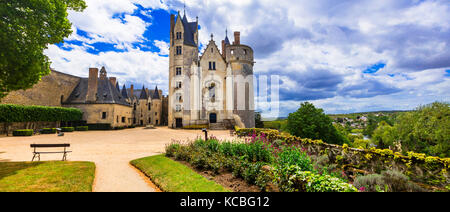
{"x":311,"y":122}
{"x":258,"y":120}
{"x":426,"y":130}
{"x":384,"y":136}
{"x":26,"y":28}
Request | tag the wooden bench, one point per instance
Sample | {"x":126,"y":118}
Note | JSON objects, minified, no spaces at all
{"x":38,"y":154}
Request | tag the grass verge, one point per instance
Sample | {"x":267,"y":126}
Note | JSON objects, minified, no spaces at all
{"x":48,"y":176}
{"x":172,"y":176}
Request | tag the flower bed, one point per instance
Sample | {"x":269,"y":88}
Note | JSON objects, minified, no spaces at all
{"x":419,"y":167}
{"x":260,"y":163}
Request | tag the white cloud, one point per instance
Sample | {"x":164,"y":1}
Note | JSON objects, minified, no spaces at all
{"x":163,"y":47}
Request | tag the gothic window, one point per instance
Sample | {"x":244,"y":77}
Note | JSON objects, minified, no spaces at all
{"x":212,"y":50}
{"x":178,"y":35}
{"x":178,"y":71}
{"x":212,"y":92}
{"x":178,"y":50}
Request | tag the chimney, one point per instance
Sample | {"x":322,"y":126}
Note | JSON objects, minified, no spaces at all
{"x":113,"y":80}
{"x":131,"y":91}
{"x":223,"y":49}
{"x":237,"y":38}
{"x":92,"y":85}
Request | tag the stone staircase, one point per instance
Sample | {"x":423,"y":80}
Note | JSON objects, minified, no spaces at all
{"x":217,"y":126}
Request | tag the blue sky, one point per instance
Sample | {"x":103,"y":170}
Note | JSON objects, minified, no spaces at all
{"x":342,"y":55}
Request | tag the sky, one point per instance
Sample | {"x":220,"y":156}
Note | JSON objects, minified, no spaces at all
{"x":342,"y":55}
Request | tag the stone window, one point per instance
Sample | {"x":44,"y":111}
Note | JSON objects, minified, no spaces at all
{"x":245,"y":51}
{"x":103,"y":115}
{"x":179,"y":35}
{"x":149,"y":106}
{"x":232,"y":51}
{"x":179,"y":99}
{"x":212,"y":65}
{"x":117,"y":119}
{"x":123,"y":119}
{"x":178,"y":52}
{"x":178,"y":84}
{"x":212,"y":92}
{"x":178,"y":71}
{"x":177,"y":108}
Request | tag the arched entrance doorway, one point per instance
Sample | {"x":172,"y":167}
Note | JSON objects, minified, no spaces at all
{"x":212,"y":118}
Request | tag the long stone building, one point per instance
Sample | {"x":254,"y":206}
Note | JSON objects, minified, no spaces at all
{"x":215,"y":88}
{"x":98,"y":96}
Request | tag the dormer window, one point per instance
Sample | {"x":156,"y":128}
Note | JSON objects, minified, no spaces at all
{"x":178,"y":35}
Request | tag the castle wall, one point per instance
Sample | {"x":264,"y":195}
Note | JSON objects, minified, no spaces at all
{"x":92,"y":114}
{"x":47,"y":92}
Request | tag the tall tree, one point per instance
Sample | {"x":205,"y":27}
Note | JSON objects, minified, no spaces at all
{"x":26,"y":28}
{"x":311,"y":122}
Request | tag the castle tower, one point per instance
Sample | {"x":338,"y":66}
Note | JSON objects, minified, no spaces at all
{"x":240,"y":93}
{"x":183,"y":53}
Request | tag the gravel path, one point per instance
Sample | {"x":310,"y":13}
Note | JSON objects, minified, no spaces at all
{"x":110,"y":150}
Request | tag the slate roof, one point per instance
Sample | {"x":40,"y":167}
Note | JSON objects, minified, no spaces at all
{"x":143,"y":94}
{"x":155,"y":93}
{"x":124,"y":92}
{"x":189,"y":29}
{"x":107,"y":93}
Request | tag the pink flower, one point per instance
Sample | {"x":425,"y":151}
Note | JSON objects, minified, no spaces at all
{"x":362,"y":189}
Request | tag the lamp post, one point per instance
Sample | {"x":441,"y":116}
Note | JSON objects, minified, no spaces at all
{"x":206,"y":133}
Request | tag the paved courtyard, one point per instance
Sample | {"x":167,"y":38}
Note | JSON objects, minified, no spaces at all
{"x":110,"y":150}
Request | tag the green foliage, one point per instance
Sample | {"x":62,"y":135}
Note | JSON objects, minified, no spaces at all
{"x":294,"y":179}
{"x":26,"y":28}
{"x":82,"y":128}
{"x":258,"y":120}
{"x":99,"y":126}
{"x":196,"y":126}
{"x":67,"y":129}
{"x":21,"y":113}
{"x":48,"y":131}
{"x":311,"y":122}
{"x":425,"y":130}
{"x":25,"y":132}
{"x":294,"y":156}
{"x":388,"y":181}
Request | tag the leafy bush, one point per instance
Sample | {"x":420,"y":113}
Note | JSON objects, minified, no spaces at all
{"x":25,"y":132}
{"x":294,"y":156}
{"x":82,"y":128}
{"x":22,"y":113}
{"x":67,"y":129}
{"x":48,"y":131}
{"x":294,"y":179}
{"x":392,"y":181}
{"x":102,"y":126}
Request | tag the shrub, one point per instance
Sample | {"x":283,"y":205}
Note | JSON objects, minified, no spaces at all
{"x":294,"y":156}
{"x":392,"y":181}
{"x":102,"y":126}
{"x":196,"y":126}
{"x":67,"y":129}
{"x":48,"y":131}
{"x":22,"y":113}
{"x":25,"y":132}
{"x":293,"y":179}
{"x":82,"y":128}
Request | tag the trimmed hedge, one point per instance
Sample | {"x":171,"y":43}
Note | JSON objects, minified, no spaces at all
{"x":82,"y":128}
{"x":48,"y":131}
{"x":99,"y":126}
{"x":23,"y":113}
{"x":67,"y":129}
{"x":195,"y":126}
{"x":26,"y":132}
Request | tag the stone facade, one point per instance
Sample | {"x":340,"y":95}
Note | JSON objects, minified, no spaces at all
{"x":215,"y":88}
{"x":98,"y":96}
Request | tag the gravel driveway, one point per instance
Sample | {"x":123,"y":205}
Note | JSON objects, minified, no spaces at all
{"x":110,"y":150}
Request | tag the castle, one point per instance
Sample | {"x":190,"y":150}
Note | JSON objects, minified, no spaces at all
{"x":214,"y":89}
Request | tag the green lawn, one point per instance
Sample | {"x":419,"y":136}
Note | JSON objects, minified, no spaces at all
{"x":48,"y":176}
{"x":172,"y":176}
